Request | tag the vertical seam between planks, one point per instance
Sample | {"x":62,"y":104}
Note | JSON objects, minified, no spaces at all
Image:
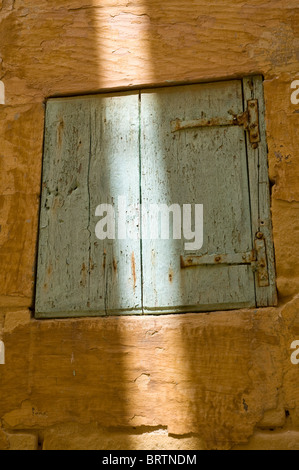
{"x":140,"y":201}
{"x":247,"y":143}
{"x":88,"y":192}
{"x":259,"y":171}
{"x":263,"y":162}
{"x":253,"y":95}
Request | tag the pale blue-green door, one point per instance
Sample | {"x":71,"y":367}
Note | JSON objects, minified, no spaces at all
{"x":182,"y":164}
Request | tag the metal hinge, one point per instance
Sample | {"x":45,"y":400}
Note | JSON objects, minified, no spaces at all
{"x":249,"y":120}
{"x":261,"y":264}
{"x":257,"y":258}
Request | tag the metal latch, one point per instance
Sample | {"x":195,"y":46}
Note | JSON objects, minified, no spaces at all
{"x":257,"y":258}
{"x":249,"y":120}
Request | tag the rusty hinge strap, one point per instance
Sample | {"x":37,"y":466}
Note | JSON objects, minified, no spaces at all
{"x":179,"y":125}
{"x":249,"y":120}
{"x":257,"y":258}
{"x":228,"y":259}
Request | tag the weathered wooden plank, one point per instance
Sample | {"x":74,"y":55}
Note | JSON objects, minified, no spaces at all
{"x":91,"y":158}
{"x":260,"y":191}
{"x":114,"y":172}
{"x":185,"y":168}
{"x":64,"y":225}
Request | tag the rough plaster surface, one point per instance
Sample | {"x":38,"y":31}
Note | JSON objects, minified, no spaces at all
{"x":219,"y":380}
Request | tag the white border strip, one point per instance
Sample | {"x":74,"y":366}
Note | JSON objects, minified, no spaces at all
{"x":2,"y":353}
{"x":2,"y":93}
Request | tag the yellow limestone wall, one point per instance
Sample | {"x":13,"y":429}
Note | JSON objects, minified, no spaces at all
{"x":208,"y":381}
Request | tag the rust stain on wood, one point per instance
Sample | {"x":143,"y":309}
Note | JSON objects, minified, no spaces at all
{"x":114,"y":265}
{"x":59,"y":132}
{"x":83,"y":275}
{"x":133,"y":265}
{"x":50,"y":270}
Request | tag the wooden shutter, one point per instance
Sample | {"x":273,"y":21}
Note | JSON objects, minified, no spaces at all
{"x":91,"y":157}
{"x":198,"y":144}
{"x":197,"y":151}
